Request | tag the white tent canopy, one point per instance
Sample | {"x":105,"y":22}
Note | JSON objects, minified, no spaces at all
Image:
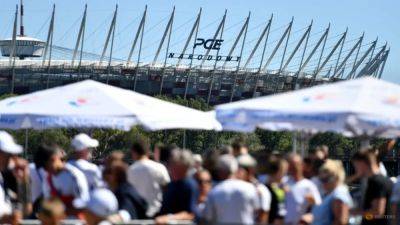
{"x":91,"y":104}
{"x":365,"y":106}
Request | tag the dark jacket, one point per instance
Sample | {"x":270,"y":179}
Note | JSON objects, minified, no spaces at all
{"x":180,"y":196}
{"x":129,"y":200}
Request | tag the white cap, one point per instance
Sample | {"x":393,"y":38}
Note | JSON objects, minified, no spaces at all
{"x":102,"y":203}
{"x":83,"y":141}
{"x":197,"y":158}
{"x":8,"y":145}
{"x":247,"y":161}
{"x":227,"y":163}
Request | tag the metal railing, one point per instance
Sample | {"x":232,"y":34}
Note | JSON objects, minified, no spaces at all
{"x":132,"y":222}
{"x":354,"y":220}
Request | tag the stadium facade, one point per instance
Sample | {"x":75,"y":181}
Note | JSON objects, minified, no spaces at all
{"x":211,"y":75}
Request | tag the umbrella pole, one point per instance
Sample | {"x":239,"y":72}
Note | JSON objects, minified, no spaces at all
{"x":294,"y":142}
{"x":302,"y":147}
{"x":26,"y":142}
{"x":184,"y":139}
{"x":304,"y":143}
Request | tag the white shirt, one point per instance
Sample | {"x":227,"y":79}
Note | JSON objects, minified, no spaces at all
{"x":264,"y":178}
{"x":382,"y":169}
{"x":232,"y":201}
{"x":295,"y":199}
{"x":395,"y":198}
{"x":36,"y":177}
{"x":318,"y":184}
{"x":396,"y":192}
{"x":5,"y":204}
{"x":264,"y":197}
{"x":91,"y":171}
{"x":69,"y":182}
{"x":148,"y":177}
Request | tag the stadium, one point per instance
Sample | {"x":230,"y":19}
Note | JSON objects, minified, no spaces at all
{"x":210,"y":67}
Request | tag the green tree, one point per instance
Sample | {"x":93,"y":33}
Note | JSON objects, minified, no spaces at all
{"x":36,"y":138}
{"x":338,"y":144}
{"x":275,"y":141}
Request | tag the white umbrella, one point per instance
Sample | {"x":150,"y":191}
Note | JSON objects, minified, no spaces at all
{"x":365,"y":106}
{"x":88,"y":104}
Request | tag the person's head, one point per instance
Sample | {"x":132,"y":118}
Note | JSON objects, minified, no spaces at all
{"x":295,"y":166}
{"x":198,"y":161}
{"x":162,"y":152}
{"x":325,"y":150}
{"x":321,"y":152}
{"x":247,"y":167}
{"x":114,"y":157}
{"x":157,"y":151}
{"x":180,"y":162}
{"x":203,"y":178}
{"x":365,"y":162}
{"x":331,"y":174}
{"x":82,"y":146}
{"x":225,"y":149}
{"x":308,"y":167}
{"x":8,"y":148}
{"x":277,"y":169}
{"x":384,"y":149}
{"x":115,"y":174}
{"x":210,"y":162}
{"x":165,"y":153}
{"x":51,"y":212}
{"x":50,"y":157}
{"x":311,"y":166}
{"x":239,"y":148}
{"x":140,"y":148}
{"x":101,"y":205}
{"x":226,"y":167}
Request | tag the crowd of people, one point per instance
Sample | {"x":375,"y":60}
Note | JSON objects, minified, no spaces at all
{"x":227,"y":185}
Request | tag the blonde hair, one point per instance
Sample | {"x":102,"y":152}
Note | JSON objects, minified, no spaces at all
{"x":334,"y":168}
{"x":52,"y":207}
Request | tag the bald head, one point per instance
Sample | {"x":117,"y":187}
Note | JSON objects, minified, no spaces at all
{"x":295,"y":166}
{"x":294,"y":158}
{"x":227,"y":165}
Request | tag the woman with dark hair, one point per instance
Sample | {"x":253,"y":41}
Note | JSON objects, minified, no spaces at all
{"x":128,"y":199}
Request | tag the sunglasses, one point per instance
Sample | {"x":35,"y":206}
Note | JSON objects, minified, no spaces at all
{"x":204,"y":181}
{"x":327,"y":179}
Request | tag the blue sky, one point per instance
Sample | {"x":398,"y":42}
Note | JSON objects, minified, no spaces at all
{"x":376,"y":18}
